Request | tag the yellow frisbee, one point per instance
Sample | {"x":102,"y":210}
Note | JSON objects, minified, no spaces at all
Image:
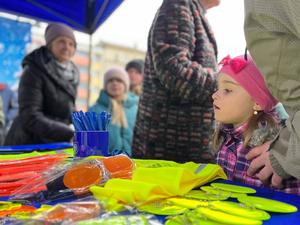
{"x":267,"y":204}
{"x":239,"y":209}
{"x":233,"y":188}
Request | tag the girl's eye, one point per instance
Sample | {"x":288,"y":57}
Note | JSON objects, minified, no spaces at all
{"x":226,"y":91}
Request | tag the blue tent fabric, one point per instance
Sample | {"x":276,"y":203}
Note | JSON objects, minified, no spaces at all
{"x":82,"y":15}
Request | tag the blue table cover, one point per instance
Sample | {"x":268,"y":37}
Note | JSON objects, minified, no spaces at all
{"x":36,"y":147}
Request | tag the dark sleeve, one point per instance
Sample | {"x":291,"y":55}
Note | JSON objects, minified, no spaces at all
{"x":31,"y":110}
{"x":173,"y":44}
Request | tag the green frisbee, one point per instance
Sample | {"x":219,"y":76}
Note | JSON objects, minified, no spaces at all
{"x":222,"y":217}
{"x":239,"y":209}
{"x":202,"y":195}
{"x":233,"y":188}
{"x":216,"y":191}
{"x":162,"y":208}
{"x":267,"y":204}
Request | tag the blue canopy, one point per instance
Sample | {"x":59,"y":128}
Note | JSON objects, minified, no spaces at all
{"x":82,"y":15}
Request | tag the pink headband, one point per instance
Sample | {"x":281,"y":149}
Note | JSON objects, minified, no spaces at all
{"x":249,"y":77}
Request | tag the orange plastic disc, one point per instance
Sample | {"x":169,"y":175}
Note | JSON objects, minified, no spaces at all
{"x":119,"y":166}
{"x":82,"y":176}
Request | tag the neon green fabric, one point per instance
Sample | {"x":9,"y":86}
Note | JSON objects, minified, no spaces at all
{"x":150,"y":184}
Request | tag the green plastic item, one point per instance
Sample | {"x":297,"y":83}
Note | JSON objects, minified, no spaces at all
{"x":267,"y":204}
{"x":239,"y":209}
{"x":226,"y":218}
{"x":68,"y":151}
{"x":215,"y":191}
{"x":233,"y":188}
{"x":162,"y":208}
{"x":202,"y":195}
{"x":118,"y":220}
{"x":181,"y":220}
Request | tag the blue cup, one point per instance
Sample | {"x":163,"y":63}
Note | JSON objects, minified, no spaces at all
{"x":87,"y":143}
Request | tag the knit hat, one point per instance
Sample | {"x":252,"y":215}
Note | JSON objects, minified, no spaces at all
{"x":245,"y":72}
{"x":117,"y":72}
{"x":55,"y":30}
{"x":137,"y":64}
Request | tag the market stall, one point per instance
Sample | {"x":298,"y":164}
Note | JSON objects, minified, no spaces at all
{"x":156,"y":191}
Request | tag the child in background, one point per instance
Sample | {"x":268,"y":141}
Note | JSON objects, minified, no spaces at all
{"x":122,"y":104}
{"x":135,"y":70}
{"x":245,"y":111}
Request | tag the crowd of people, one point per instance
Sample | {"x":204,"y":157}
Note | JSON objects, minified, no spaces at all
{"x":179,"y":105}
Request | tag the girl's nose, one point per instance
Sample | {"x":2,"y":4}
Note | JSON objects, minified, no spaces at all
{"x":215,"y":95}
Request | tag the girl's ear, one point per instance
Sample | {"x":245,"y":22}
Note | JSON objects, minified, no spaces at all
{"x":257,"y":107}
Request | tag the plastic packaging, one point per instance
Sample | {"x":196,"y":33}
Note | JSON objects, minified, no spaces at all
{"x":72,"y":180}
{"x":71,"y":212}
{"x":20,"y":173}
{"x":140,"y":219}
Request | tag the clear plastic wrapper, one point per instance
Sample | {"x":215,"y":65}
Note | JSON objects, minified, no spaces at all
{"x":141,"y":219}
{"x":64,"y":213}
{"x":68,"y":213}
{"x":16,"y":174}
{"x":71,"y":180}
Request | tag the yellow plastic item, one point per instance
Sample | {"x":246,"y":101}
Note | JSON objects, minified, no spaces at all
{"x":8,"y":205}
{"x":239,"y":209}
{"x":182,"y":220}
{"x":202,"y":195}
{"x":187,"y":203}
{"x":214,"y":191}
{"x":43,"y":208}
{"x":162,"y":207}
{"x":233,"y":188}
{"x":222,"y":217}
{"x":267,"y":204}
{"x":68,"y":151}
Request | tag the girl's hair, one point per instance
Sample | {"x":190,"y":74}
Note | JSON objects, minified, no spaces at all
{"x":118,"y":113}
{"x":262,"y":118}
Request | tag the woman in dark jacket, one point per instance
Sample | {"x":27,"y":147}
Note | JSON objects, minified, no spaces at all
{"x":175,"y":114}
{"x":47,"y":91}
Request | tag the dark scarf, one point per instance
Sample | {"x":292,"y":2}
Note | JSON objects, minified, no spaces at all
{"x":67,"y":71}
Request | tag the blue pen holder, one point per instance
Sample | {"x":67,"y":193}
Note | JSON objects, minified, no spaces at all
{"x":87,"y":143}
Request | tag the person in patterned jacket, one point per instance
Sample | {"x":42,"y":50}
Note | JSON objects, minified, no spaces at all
{"x":175,"y":114}
{"x":248,"y":116}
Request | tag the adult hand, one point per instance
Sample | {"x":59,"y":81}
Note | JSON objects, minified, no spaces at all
{"x":258,"y":157}
{"x":261,"y":167}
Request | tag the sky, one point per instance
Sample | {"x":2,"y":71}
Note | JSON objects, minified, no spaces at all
{"x":130,"y":23}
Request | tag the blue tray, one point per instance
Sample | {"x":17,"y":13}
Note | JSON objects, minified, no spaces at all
{"x":36,"y":147}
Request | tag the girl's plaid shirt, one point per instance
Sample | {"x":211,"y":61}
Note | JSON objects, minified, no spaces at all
{"x":231,"y":157}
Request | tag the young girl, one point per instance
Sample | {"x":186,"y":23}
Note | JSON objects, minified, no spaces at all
{"x":244,"y":109}
{"x":122,"y":104}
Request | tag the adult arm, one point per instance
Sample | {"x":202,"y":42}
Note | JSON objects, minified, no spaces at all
{"x":272,"y":30}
